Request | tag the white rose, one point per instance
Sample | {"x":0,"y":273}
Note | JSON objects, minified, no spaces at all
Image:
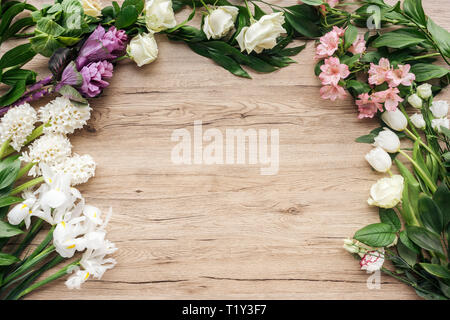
{"x":396,"y":120}
{"x":219,"y":22}
{"x":143,"y":49}
{"x":262,"y":34}
{"x":379,"y":160}
{"x":439,"y":109}
{"x":418,"y":121}
{"x":440,"y":122}
{"x":159,"y":15}
{"x":387,"y":192}
{"x":387,"y":140}
{"x":92,"y":7}
{"x":415,"y":101}
{"x":424,"y":91}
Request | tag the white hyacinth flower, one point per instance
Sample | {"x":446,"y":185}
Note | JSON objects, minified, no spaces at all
{"x":62,"y":116}
{"x":440,"y":122}
{"x":439,"y":109}
{"x":17,"y":124}
{"x":81,"y":168}
{"x":418,"y":121}
{"x":49,"y":149}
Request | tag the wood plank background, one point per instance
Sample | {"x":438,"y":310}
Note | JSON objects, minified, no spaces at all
{"x":207,"y":232}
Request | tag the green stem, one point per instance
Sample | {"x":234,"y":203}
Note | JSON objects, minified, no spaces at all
{"x":423,"y":144}
{"x":43,"y":244}
{"x":3,"y":148}
{"x":62,"y":272}
{"x":206,"y":7}
{"x":27,"y":185}
{"x":29,"y":237}
{"x":430,"y":55}
{"x":25,"y":169}
{"x":35,"y":134}
{"x":424,"y":176}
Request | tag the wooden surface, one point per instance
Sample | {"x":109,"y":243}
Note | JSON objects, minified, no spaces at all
{"x":225,"y":231}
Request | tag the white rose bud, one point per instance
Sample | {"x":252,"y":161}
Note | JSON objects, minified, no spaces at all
{"x":262,"y":34}
{"x":440,"y":122}
{"x":219,"y":22}
{"x":387,"y":140}
{"x":415,"y":101}
{"x":143,"y":49}
{"x":396,"y":120}
{"x":439,"y":109}
{"x":92,"y":8}
{"x":418,"y":121}
{"x":351,"y":246}
{"x":424,"y":91}
{"x":387,"y":192}
{"x":379,"y":160}
{"x":159,"y":15}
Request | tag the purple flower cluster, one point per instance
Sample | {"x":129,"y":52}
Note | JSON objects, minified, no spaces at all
{"x":93,"y":62}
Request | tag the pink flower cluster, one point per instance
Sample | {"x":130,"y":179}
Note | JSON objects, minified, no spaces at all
{"x":379,"y":74}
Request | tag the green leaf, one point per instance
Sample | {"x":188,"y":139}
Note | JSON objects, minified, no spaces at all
{"x":289,"y":52}
{"x":389,"y":216}
{"x":430,"y":214}
{"x":7,"y":259}
{"x":229,"y":64}
{"x":17,"y":56}
{"x":7,"y":201}
{"x":9,"y":15}
{"x":436,"y":270}
{"x":11,"y":76}
{"x":313,"y":2}
{"x":425,"y":239}
{"x":9,"y":168}
{"x":407,"y":242}
{"x":258,"y":12}
{"x":442,"y":198}
{"x":17,"y":26}
{"x":8,"y":231}
{"x":425,"y":71}
{"x":302,"y":24}
{"x":126,"y":17}
{"x":406,"y":254}
{"x":72,"y":94}
{"x":414,"y":9}
{"x":441,"y":36}
{"x":359,"y":88}
{"x":350,"y":36}
{"x":138,"y":4}
{"x":13,"y":94}
{"x":376,"y":235}
{"x":396,"y":39}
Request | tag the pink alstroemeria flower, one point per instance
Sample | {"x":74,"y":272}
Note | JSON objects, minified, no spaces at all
{"x":401,"y":75}
{"x":339,"y":31}
{"x":329,"y":43}
{"x":333,"y":71}
{"x":378,"y":73}
{"x":367,"y":107}
{"x":332,"y":93}
{"x":390,"y":98}
{"x":359,"y":46}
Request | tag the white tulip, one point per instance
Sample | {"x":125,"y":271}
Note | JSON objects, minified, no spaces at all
{"x":143,"y":49}
{"x":396,"y":120}
{"x":418,"y":121}
{"x":440,"y":122}
{"x":387,"y":192}
{"x":424,"y":91}
{"x":387,"y":140}
{"x":439,"y":109}
{"x":159,"y":15}
{"x":379,"y":160}
{"x":220,"y":21}
{"x":92,"y":8}
{"x":262,"y":34}
{"x":415,"y":101}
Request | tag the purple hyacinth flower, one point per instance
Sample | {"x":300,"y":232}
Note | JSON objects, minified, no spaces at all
{"x":102,"y":45}
{"x":94,"y":75}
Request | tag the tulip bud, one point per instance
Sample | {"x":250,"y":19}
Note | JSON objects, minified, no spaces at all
{"x":424,"y":91}
{"x":396,"y":120}
{"x":415,"y":101}
{"x":418,"y":121}
{"x":388,"y":141}
{"x":387,"y":192}
{"x":143,"y":49}
{"x":439,"y":109}
{"x":379,"y":160}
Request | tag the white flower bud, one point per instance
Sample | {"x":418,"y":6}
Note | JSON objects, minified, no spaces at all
{"x":439,"y":109}
{"x":415,"y":101}
{"x":143,"y":49}
{"x":379,"y":160}
{"x":396,"y":120}
{"x":387,"y":140}
{"x":424,"y":91}
{"x":387,"y":192}
{"x":418,"y":121}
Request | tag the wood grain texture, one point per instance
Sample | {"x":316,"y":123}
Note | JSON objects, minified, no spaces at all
{"x":221,"y":231}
